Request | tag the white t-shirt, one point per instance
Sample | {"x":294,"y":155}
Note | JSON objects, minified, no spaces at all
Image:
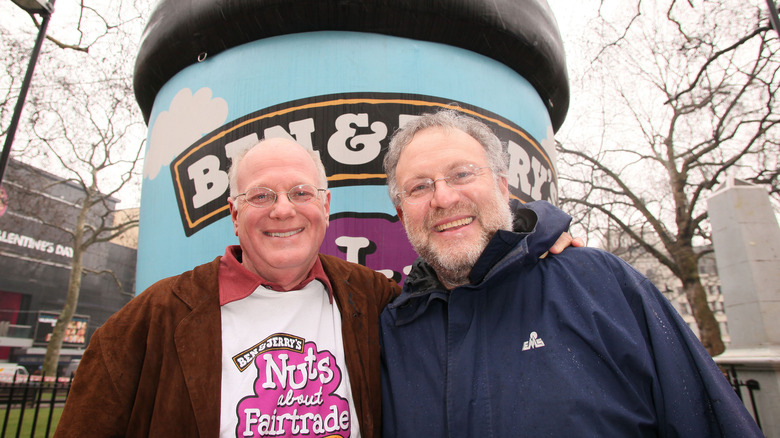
{"x":283,"y":367}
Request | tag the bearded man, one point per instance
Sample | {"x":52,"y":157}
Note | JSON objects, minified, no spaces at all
{"x":492,"y":338}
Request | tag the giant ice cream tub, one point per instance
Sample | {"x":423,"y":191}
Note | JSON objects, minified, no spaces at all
{"x":339,"y":76}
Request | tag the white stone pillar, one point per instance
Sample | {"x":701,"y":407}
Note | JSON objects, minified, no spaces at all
{"x":746,"y":239}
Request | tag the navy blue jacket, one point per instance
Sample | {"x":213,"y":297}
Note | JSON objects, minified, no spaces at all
{"x":576,"y":344}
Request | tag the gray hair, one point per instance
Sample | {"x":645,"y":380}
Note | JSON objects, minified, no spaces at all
{"x":497,"y":156}
{"x":233,"y":170}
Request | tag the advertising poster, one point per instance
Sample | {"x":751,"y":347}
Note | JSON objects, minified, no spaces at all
{"x":75,"y":333}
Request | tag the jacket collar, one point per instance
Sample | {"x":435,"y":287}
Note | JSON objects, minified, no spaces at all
{"x":528,"y":241}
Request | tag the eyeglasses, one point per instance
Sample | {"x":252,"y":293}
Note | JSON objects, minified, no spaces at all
{"x":421,"y":190}
{"x":262,"y":197}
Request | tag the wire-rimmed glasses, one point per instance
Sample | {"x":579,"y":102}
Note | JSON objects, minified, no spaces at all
{"x":421,"y":190}
{"x":262,"y":197}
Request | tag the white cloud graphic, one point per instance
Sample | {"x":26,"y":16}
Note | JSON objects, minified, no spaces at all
{"x":189,"y":117}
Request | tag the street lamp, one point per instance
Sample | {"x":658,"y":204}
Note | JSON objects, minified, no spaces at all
{"x":44,"y":9}
{"x":773,"y":15}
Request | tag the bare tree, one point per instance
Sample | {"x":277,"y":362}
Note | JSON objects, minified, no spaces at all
{"x":686,"y":95}
{"x":82,"y":124}
{"x":93,"y":164}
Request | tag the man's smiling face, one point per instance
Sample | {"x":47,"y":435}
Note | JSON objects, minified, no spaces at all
{"x":279,"y":242}
{"x":451,"y":230}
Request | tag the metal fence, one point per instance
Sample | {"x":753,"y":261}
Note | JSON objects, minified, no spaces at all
{"x":751,"y":385}
{"x":28,"y":404}
{"x":36,"y":398}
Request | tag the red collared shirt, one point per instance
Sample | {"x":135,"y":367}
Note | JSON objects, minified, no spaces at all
{"x":236,"y":282}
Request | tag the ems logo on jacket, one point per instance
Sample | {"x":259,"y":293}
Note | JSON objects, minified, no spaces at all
{"x":533,"y":342}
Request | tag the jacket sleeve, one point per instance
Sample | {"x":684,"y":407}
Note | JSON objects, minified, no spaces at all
{"x":153,"y":369}
{"x":94,"y":407}
{"x":692,"y":396}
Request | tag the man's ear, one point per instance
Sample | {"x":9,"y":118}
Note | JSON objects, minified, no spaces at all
{"x":233,"y":213}
{"x":503,"y":185}
{"x":326,"y":206}
{"x":400,"y":214}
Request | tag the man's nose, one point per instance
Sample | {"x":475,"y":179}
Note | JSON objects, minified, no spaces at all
{"x":444,"y":196}
{"x":282,"y":208}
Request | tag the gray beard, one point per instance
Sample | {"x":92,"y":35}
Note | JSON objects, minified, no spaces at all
{"x":453,"y":270}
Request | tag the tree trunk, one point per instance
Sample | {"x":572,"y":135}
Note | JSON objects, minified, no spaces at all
{"x":709,"y":329}
{"x":54,"y":346}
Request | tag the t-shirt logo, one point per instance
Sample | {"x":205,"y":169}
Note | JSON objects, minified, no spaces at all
{"x":294,"y":393}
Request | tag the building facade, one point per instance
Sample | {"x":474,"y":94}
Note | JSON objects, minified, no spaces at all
{"x":36,"y":251}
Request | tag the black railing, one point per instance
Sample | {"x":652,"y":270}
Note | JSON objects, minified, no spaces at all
{"x":44,"y":395}
{"x":751,"y":385}
{"x":28,"y":404}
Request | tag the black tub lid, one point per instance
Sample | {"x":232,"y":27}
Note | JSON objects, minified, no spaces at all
{"x":521,"y":34}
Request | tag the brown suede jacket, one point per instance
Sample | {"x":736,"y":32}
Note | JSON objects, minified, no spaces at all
{"x":154,"y":368}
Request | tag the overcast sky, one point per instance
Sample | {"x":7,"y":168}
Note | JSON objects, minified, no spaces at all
{"x":573,"y":18}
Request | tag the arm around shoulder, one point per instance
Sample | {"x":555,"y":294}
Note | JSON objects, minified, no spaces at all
{"x":547,"y":228}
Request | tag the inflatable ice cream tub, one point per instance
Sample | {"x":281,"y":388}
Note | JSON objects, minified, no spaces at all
{"x":339,"y":77}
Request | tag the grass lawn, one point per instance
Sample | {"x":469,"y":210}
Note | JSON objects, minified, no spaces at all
{"x":27,"y":422}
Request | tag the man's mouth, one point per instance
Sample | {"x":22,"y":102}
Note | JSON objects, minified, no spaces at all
{"x":285,"y":234}
{"x":454,"y":224}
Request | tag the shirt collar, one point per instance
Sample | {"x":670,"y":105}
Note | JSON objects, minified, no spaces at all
{"x":236,"y":282}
